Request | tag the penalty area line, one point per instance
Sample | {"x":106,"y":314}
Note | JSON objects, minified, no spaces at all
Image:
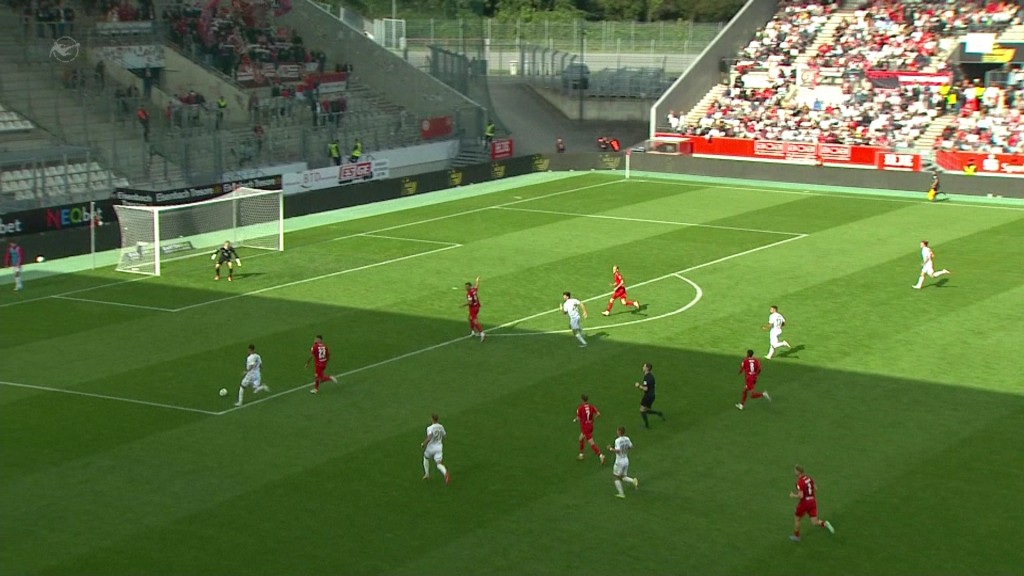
{"x":106,"y":397}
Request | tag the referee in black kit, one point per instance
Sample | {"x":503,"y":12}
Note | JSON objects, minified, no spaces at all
{"x":647,"y":387}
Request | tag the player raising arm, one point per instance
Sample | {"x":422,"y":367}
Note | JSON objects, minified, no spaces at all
{"x":572,"y":308}
{"x":928,"y":265}
{"x":619,"y":292}
{"x":473,"y":303}
{"x":226,"y":253}
{"x":808,"y":504}
{"x":319,"y":355}
{"x":586,"y":413}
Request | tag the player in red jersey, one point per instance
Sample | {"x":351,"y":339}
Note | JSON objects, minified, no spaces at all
{"x":319,"y":355}
{"x":619,"y":292}
{"x":473,"y":303}
{"x":586,"y":413}
{"x":808,"y":504}
{"x":751,"y":369}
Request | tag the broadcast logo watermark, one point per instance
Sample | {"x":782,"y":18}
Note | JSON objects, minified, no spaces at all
{"x":65,"y":49}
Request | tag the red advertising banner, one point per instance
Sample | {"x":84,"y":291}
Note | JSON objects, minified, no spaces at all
{"x":501,"y":148}
{"x":1005,"y":164}
{"x":899,"y":161}
{"x":806,"y":152}
{"x":911,"y":78}
{"x":436,"y":127}
{"x":328,"y":82}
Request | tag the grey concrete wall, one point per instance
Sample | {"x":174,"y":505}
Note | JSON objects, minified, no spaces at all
{"x":689,"y":88}
{"x":378,"y":68}
{"x":611,"y":109}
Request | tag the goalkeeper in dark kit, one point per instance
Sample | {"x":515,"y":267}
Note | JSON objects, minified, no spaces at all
{"x":226,"y":253}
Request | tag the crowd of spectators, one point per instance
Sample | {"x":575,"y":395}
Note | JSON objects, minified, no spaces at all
{"x":882,"y":35}
{"x":988,"y":122}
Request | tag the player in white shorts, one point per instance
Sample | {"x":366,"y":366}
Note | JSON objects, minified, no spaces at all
{"x":774,"y":327}
{"x":572,"y":308}
{"x":433,"y":449}
{"x":621,"y":469}
{"x":928,"y":265}
{"x":251,"y":377}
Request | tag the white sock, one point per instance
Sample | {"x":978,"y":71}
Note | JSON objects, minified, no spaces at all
{"x":17,"y":282}
{"x":627,"y":479}
{"x":770,"y":352}
{"x":579,"y":336}
{"x":618,"y":485}
{"x":784,"y":343}
{"x":241,"y":392}
{"x":940,"y":273}
{"x":426,"y":467}
{"x":442,"y":469}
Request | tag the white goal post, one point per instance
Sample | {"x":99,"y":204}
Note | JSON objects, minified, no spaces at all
{"x":153,"y":235}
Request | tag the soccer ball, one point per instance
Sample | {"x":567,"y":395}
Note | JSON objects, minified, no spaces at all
{"x":40,"y":259}
{"x":223,"y":392}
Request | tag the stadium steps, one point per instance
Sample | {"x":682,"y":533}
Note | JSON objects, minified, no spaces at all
{"x":697,"y":112}
{"x":470,"y":152}
{"x":925,"y":143}
{"x":826,"y":35}
{"x":1014,"y":33}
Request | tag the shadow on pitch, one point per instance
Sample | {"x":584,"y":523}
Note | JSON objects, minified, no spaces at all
{"x":792,"y":352}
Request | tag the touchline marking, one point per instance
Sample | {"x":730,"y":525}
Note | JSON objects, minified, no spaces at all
{"x":78,"y":291}
{"x":105,"y":397}
{"x":647,"y":221}
{"x":475,"y":210}
{"x":313,"y":279}
{"x":697,"y":297}
{"x":369,"y":235}
{"x":677,"y":274}
{"x":109,"y":303}
{"x":847,"y":195}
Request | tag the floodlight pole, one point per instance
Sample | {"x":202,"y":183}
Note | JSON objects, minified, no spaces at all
{"x":583,"y":60}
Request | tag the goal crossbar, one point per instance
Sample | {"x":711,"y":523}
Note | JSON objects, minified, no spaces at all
{"x":154,"y":235}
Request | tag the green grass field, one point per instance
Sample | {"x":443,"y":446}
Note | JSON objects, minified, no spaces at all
{"x":905,"y":406}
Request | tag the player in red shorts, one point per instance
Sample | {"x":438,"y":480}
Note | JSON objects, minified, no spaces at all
{"x":586,"y":413}
{"x":808,"y":505}
{"x":619,"y":292}
{"x":473,"y":303}
{"x":751,"y":369}
{"x":319,"y":355}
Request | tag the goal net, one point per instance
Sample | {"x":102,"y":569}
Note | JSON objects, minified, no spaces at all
{"x":153,"y":235}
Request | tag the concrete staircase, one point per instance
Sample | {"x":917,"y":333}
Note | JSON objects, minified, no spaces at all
{"x":925,"y":143}
{"x":35,"y":86}
{"x":471,"y":152}
{"x":700,"y":109}
{"x":827,"y":35}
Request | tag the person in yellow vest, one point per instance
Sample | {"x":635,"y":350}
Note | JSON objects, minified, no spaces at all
{"x":488,"y":134}
{"x":334,"y":150}
{"x":222,"y":106}
{"x":357,"y":151}
{"x":933,"y":190}
{"x":970,"y":168}
{"x":951,"y":101}
{"x":944,"y":94}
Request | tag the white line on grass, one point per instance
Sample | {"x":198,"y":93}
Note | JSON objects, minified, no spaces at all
{"x":515,"y":322}
{"x":647,"y":221}
{"x":846,"y":195}
{"x":105,"y":397}
{"x":696,"y":298}
{"x":78,"y":291}
{"x":313,"y":279}
{"x":369,"y":235}
{"x":109,"y":303}
{"x":476,"y":210}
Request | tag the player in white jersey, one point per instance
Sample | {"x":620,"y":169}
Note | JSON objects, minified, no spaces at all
{"x":621,"y":449}
{"x":433,"y":449}
{"x":774,"y":327}
{"x":928,"y":265}
{"x":251,"y":377}
{"x":572,"y":308}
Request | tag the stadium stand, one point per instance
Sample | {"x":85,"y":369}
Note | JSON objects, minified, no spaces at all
{"x":817,"y":73}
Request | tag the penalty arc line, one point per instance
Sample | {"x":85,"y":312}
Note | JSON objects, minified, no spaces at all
{"x":696,"y":298}
{"x":509,"y":324}
{"x":105,"y":397}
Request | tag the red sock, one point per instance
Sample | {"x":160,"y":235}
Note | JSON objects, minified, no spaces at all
{"x":581,"y":446}
{"x":629,"y":302}
{"x":744,"y":401}
{"x":479,"y":328}
{"x":796,"y":533}
{"x":597,"y":451}
{"x":756,"y":394}
{"x":316,"y":383}
{"x":822,"y":525}
{"x":609,"y":308}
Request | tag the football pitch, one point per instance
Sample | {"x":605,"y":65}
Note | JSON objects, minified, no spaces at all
{"x":905,"y":406}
